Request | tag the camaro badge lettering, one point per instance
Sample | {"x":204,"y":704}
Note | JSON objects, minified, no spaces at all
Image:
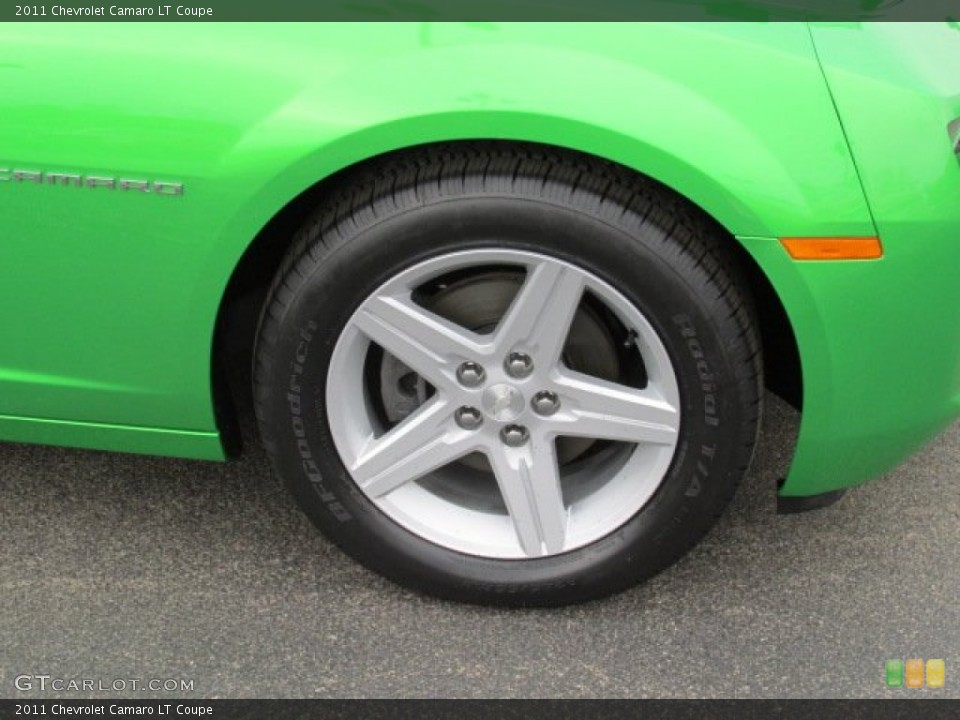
{"x":38,"y":177}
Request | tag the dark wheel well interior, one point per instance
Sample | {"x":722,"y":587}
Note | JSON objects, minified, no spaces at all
{"x":245,"y":294}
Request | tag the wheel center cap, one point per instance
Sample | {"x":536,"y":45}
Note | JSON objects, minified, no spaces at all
{"x":503,"y":402}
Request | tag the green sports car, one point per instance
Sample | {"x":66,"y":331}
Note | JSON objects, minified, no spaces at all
{"x":507,"y":295}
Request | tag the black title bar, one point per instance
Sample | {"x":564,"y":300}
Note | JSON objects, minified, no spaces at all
{"x":493,"y":709}
{"x":480,"y":10}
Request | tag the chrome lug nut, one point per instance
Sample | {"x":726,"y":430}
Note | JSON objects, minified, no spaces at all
{"x":545,"y":403}
{"x":518,"y":365}
{"x":471,"y":374}
{"x":469,"y":418}
{"x":514,"y":435}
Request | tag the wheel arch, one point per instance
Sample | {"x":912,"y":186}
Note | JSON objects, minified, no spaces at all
{"x":243,"y":294}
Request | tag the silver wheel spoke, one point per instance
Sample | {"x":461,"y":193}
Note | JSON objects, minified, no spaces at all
{"x":423,"y":442}
{"x":425,"y":342}
{"x":539,"y":318}
{"x":529,"y":480}
{"x":601,"y":409}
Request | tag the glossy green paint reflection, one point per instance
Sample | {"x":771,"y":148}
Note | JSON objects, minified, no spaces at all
{"x":881,"y":340}
{"x":110,"y":297}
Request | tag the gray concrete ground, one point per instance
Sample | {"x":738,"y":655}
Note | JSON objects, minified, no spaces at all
{"x":119,"y":567}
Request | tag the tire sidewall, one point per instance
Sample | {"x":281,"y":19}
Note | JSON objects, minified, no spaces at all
{"x":671,"y":291}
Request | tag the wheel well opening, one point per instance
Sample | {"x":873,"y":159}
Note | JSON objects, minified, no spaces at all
{"x":240,"y":307}
{"x":239,"y":314}
{"x":783,"y":374}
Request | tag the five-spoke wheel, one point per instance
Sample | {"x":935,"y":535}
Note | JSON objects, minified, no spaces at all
{"x":508,"y":393}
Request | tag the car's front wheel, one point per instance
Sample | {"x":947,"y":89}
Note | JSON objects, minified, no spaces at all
{"x":499,"y":374}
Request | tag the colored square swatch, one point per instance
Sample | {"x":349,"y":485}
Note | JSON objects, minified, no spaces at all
{"x":936,"y":670}
{"x":914,"y":673}
{"x":894,"y":673}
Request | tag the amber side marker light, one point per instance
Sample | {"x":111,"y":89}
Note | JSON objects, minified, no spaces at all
{"x":833,"y":248}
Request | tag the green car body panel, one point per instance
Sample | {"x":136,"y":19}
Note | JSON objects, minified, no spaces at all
{"x":111,"y":296}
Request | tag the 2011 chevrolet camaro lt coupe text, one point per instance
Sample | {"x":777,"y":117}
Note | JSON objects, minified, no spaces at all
{"x":510,"y":293}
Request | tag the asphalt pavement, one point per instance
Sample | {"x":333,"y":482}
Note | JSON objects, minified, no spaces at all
{"x":118,"y":567}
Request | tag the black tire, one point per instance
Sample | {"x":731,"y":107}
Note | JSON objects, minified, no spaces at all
{"x":649,"y":244}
